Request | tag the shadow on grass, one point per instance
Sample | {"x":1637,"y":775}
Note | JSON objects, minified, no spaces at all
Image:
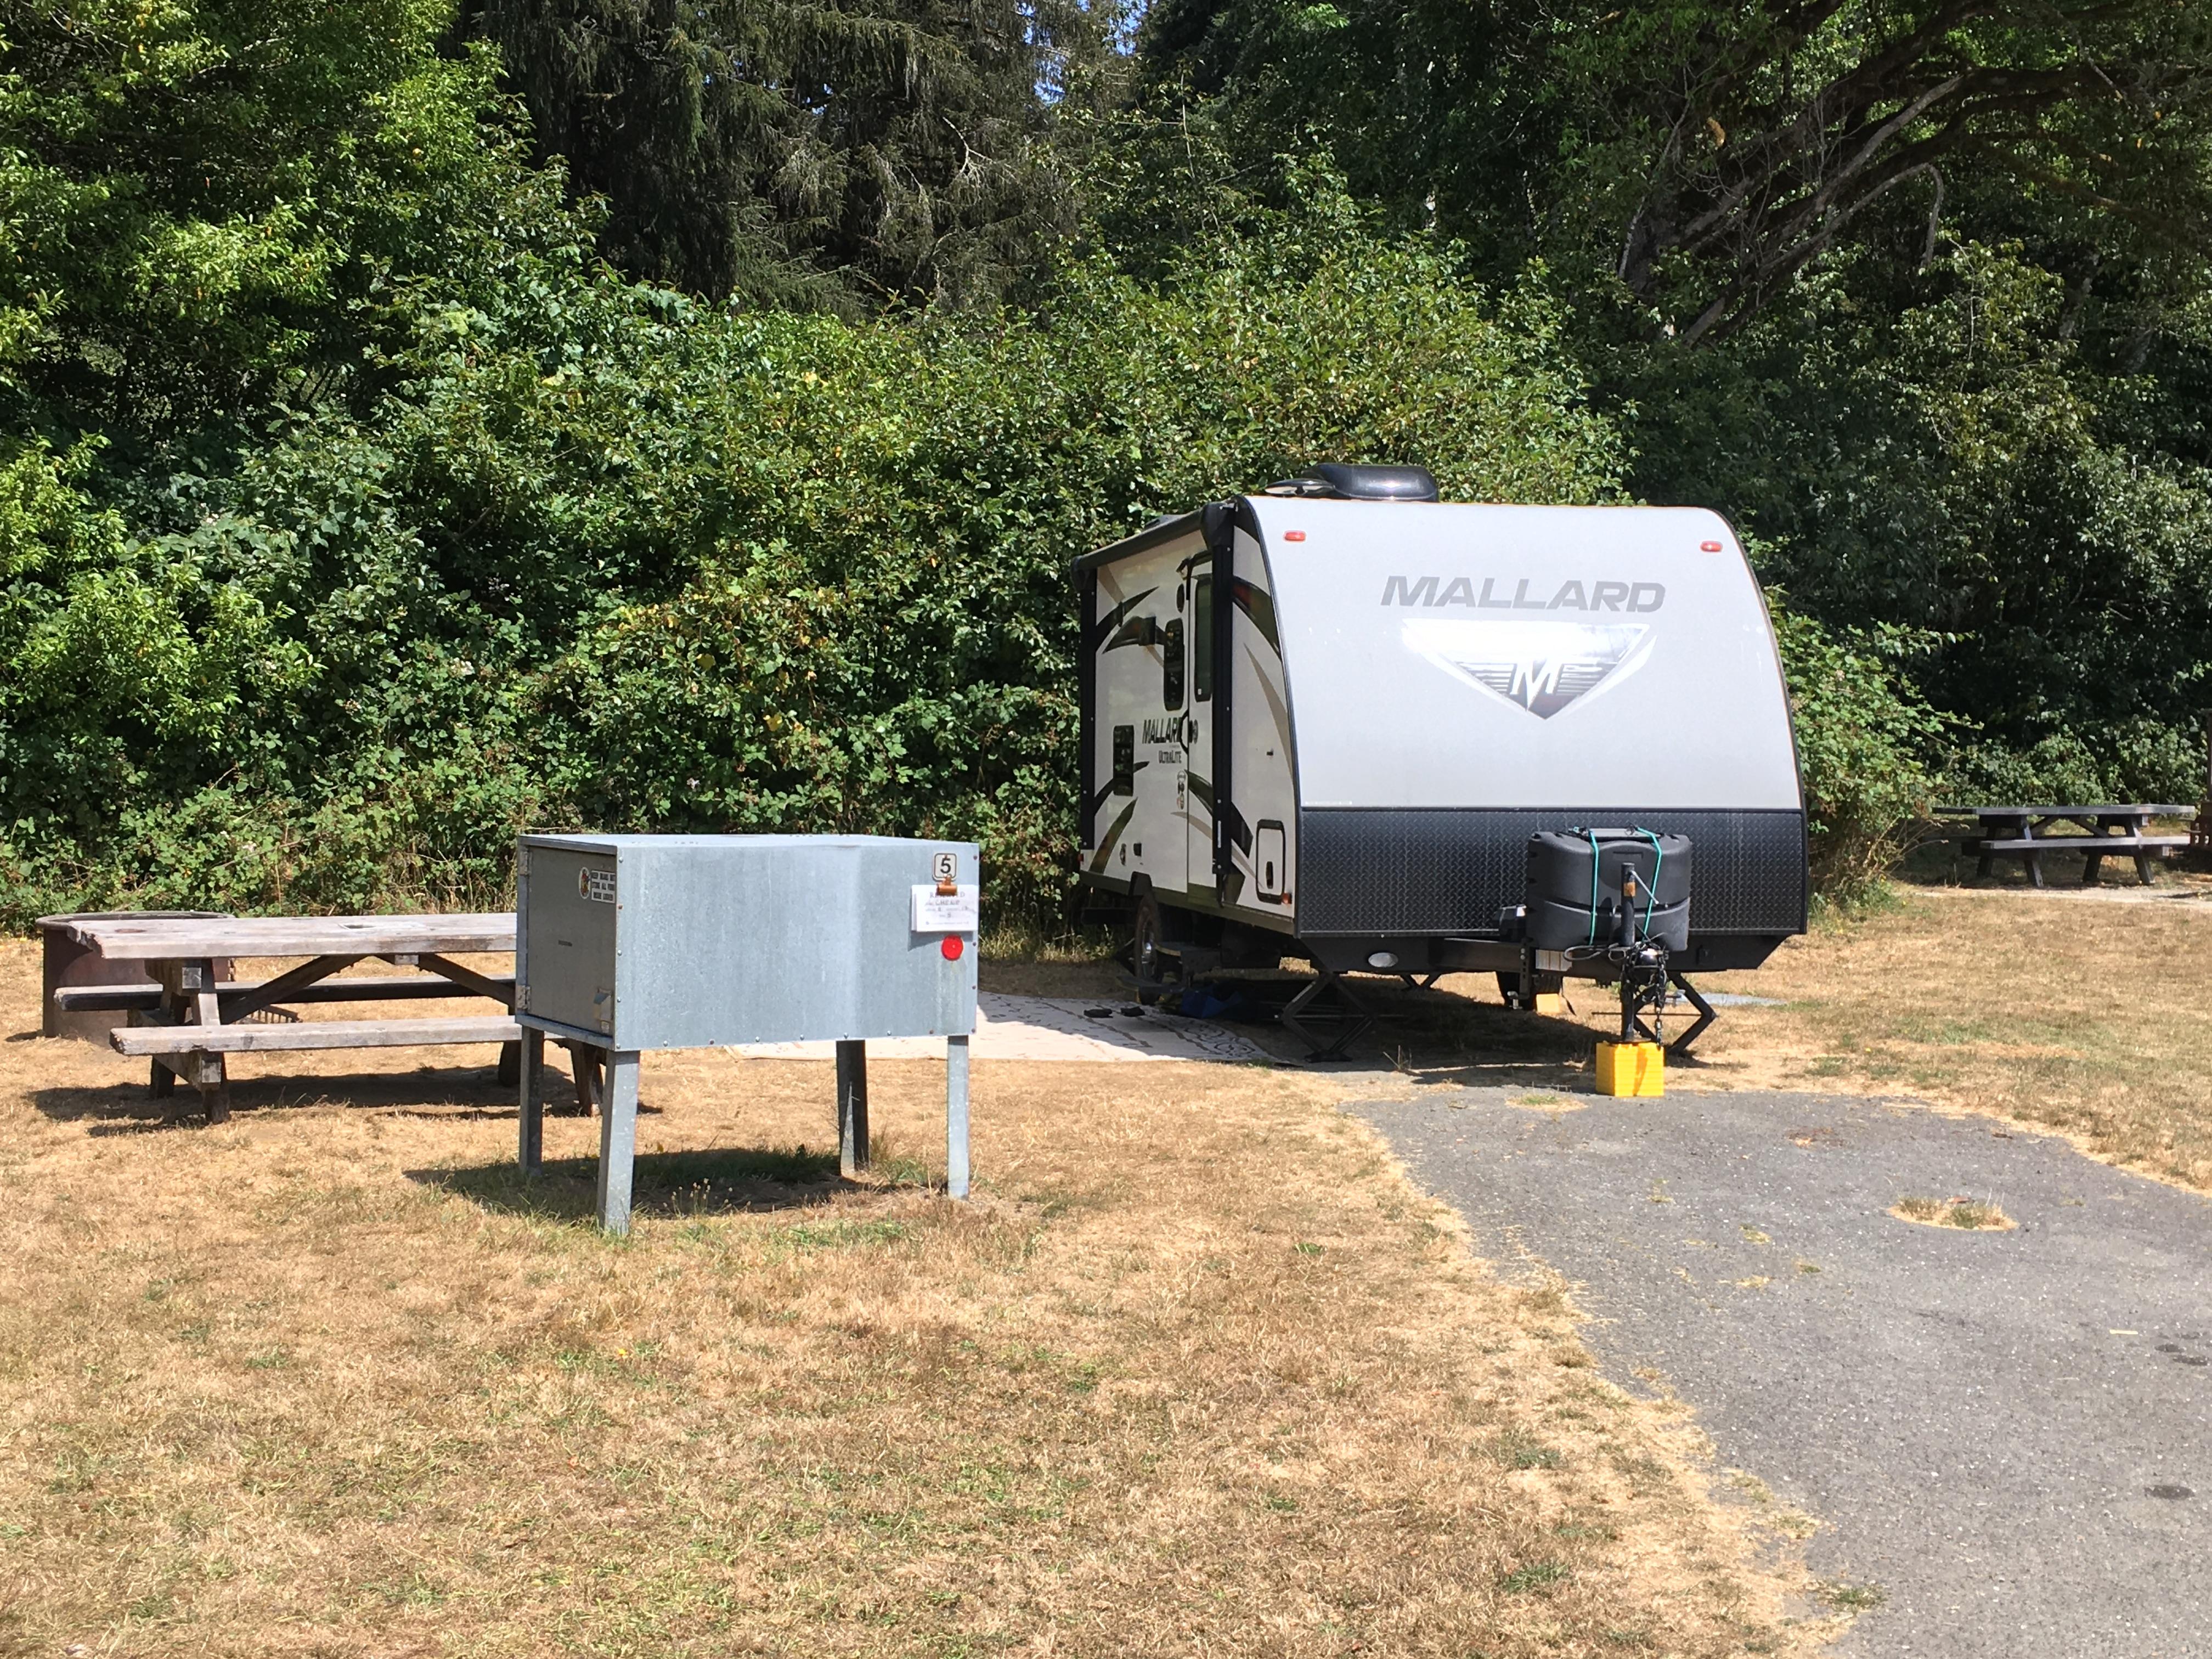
{"x":744,"y":1181}
{"x":1941,"y":863}
{"x":1439,"y":1034}
{"x":1441,"y":1037}
{"x":465,"y":1091}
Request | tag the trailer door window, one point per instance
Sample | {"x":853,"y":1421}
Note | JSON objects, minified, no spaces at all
{"x":1172,"y":663}
{"x":1125,"y":760}
{"x":1201,"y":643}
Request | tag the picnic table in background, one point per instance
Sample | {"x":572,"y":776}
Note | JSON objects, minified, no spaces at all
{"x":184,"y":1020}
{"x":2110,"y":830}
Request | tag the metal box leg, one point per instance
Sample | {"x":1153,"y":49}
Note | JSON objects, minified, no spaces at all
{"x":530,"y":1149}
{"x":617,"y":1139}
{"x":956,"y":1117}
{"x":852,"y":1107}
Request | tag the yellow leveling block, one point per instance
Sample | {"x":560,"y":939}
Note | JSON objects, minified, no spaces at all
{"x":1632,"y":1068}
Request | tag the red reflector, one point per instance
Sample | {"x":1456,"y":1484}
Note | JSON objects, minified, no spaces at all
{"x":1294,"y":535}
{"x":952,"y":947}
{"x":1709,"y":547}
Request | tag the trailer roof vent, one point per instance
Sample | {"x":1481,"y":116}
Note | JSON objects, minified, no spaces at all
{"x":1361,"y":483}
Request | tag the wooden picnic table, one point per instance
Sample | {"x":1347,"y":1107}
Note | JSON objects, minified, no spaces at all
{"x":184,"y":1020}
{"x":2108,"y":830}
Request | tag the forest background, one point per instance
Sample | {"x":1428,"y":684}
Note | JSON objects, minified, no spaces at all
{"x":418,"y":423}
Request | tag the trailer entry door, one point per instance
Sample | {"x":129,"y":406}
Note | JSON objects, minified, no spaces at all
{"x":1198,"y":738}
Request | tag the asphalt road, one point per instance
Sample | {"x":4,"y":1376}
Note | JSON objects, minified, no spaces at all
{"x":2008,"y":1435}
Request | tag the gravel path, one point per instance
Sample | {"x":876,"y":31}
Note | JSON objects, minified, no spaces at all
{"x":2008,"y":1435}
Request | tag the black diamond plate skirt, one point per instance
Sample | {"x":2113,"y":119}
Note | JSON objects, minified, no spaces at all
{"x":1449,"y":870}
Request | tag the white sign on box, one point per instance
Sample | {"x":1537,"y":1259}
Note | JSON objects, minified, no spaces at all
{"x":959,"y":911}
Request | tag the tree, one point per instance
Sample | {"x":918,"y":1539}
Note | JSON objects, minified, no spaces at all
{"x":1777,"y":128}
{"x":214,"y":209}
{"x":800,"y":152}
{"x":1704,"y":154}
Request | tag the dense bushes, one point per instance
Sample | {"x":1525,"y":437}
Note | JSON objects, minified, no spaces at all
{"x":1863,"y":742}
{"x":1955,"y":468}
{"x":352,"y":516}
{"x":598,"y":555}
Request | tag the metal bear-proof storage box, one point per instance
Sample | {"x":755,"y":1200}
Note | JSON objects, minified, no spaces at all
{"x":637,"y":942}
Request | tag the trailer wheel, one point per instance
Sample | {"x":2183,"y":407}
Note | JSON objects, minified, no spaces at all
{"x":1509,"y":986}
{"x":1144,"y":954}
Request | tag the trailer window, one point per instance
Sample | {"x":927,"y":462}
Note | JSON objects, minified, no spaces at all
{"x":1125,"y":760}
{"x":1201,"y":643}
{"x":1171,"y":664}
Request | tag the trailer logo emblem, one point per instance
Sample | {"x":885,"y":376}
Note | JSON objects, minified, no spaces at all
{"x":1540,"y":666}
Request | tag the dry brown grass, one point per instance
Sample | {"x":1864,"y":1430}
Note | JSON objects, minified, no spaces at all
{"x":2082,"y":1016}
{"x":1198,"y":1372}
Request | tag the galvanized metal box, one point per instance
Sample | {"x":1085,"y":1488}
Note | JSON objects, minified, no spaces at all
{"x":636,"y":942}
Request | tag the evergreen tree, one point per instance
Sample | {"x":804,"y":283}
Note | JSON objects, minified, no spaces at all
{"x":798,"y":152}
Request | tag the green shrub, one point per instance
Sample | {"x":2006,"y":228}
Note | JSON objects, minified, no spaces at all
{"x":603,"y":557}
{"x":1863,"y":741}
{"x":2139,"y":759}
{"x":1949,"y":459}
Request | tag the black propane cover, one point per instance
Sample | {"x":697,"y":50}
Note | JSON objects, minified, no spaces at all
{"x":1559,"y":892}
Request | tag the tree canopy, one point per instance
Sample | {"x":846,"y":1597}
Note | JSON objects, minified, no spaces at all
{"x":827,"y":155}
{"x":416,"y":422}
{"x":1703,"y":155}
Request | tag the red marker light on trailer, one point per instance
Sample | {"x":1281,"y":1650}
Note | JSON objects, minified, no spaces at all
{"x":1709,"y":547}
{"x":952,"y":947}
{"x":1294,"y":535}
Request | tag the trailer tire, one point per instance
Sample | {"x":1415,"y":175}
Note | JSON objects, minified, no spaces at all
{"x":1542,"y":984}
{"x":1146,"y":933}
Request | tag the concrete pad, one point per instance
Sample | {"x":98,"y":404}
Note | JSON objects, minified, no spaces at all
{"x":1055,"y":1028}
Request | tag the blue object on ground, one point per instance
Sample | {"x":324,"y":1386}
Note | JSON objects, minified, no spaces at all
{"x":1208,"y":1002}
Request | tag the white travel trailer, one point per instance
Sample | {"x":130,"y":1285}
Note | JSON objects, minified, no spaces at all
{"x":1327,"y":718}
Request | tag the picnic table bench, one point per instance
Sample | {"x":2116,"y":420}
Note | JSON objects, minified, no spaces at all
{"x":184,"y":1020}
{"x":2106,"y":831}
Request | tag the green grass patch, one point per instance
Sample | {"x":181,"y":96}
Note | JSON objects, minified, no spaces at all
{"x":1852,"y":1598}
{"x":1538,"y":1576}
{"x":1518,"y":1449}
{"x":845,"y":1234}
